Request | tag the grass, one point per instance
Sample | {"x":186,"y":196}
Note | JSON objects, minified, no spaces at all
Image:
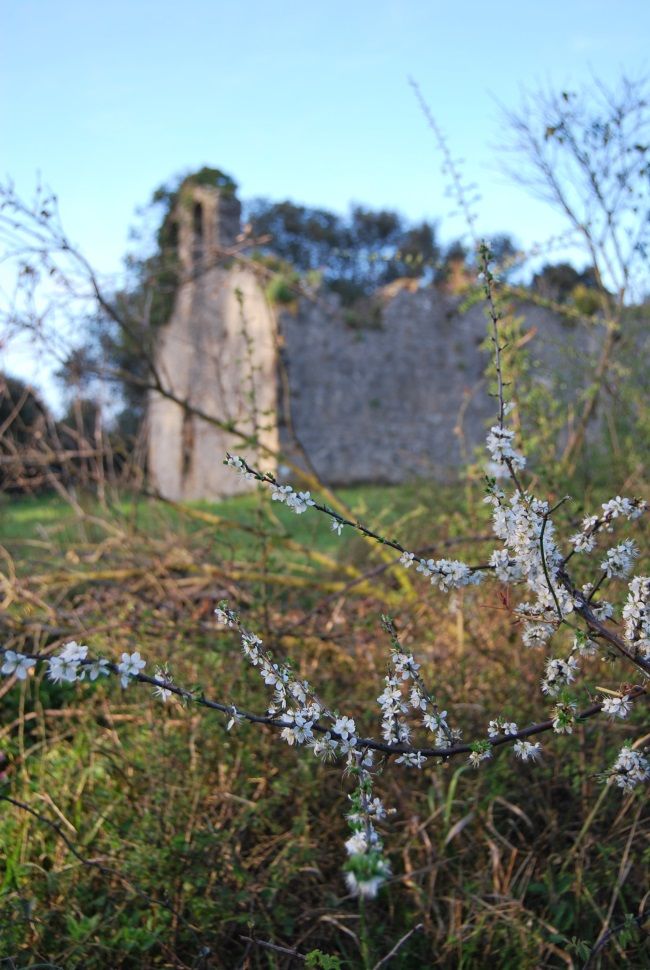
{"x":190,"y":841}
{"x":29,"y":517}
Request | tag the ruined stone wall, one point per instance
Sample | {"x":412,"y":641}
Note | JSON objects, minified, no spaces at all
{"x":408,"y":397}
{"x":402,"y":396}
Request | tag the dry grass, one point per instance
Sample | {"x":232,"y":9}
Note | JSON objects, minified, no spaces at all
{"x":172,"y":837}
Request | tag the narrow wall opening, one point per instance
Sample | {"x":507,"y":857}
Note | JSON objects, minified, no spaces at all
{"x":197,"y":232}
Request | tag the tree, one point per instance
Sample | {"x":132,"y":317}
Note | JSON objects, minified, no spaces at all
{"x":355,"y":254}
{"x":587,"y":154}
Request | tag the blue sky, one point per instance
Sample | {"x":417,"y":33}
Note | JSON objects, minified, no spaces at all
{"x":303,"y":101}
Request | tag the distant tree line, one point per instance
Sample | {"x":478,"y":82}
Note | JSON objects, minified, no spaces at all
{"x":355,"y":253}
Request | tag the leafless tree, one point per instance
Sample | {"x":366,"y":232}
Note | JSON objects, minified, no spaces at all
{"x":587,"y":154}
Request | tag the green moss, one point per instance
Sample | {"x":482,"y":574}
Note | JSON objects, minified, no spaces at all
{"x":211,"y":177}
{"x":282,"y":289}
{"x":586,"y":300}
{"x":364,"y":314}
{"x":164,"y":266}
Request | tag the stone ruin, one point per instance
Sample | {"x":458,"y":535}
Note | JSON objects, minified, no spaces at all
{"x":403,"y":397}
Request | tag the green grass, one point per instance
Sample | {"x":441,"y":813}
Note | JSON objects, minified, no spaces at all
{"x":25,"y":517}
{"x":29,"y":525}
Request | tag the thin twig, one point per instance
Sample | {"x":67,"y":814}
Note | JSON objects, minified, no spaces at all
{"x":495,"y":317}
{"x":400,"y":943}
{"x":273,"y":721}
{"x":274,"y":947}
{"x":269,"y":479}
{"x":601,"y":943}
{"x":545,"y":568}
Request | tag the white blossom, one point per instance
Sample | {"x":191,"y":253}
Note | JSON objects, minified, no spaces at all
{"x":496,"y":470}
{"x":537,"y":634}
{"x":620,"y":559}
{"x":345,"y":728}
{"x":563,"y":718}
{"x":636,"y":614}
{"x":425,"y":566}
{"x":391,"y":695}
{"x":435,"y":722}
{"x":300,"y":731}
{"x":446,"y":737}
{"x":405,"y":664}
{"x":337,"y":526}
{"x":582,"y":542}
{"x":299,"y":690}
{"x":447,"y":573}
{"x":162,"y":690}
{"x":299,"y":502}
{"x":521,"y":524}
{"x":225,"y":616}
{"x":414,"y":759}
{"x":74,"y":651}
{"x":629,"y":769}
{"x":347,"y":746}
{"x":451,"y":574}
{"x":130,"y":666}
{"x":417,"y":701}
{"x":392,"y":707}
{"x":250,"y":644}
{"x":235,"y":718}
{"x":95,"y":669}
{"x":559,"y":673}
{"x":66,"y":666}
{"x":376,"y":807}
{"x":617,"y":706}
{"x":356,"y":844}
{"x":585,"y":646}
{"x":369,"y":887}
{"x":527,"y":751}
{"x":237,"y":463}
{"x":280,"y":493}
{"x":602,"y":610}
{"x":60,"y":670}
{"x":17,"y":664}
{"x":274,"y":677}
{"x":476,"y":757}
{"x":406,"y":559}
{"x":324,"y":747}
{"x":500,"y":726}
{"x":629,"y":508}
{"x":505,"y":569}
{"x":499,"y":444}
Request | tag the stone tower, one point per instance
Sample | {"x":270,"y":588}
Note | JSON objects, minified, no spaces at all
{"x":217,"y":352}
